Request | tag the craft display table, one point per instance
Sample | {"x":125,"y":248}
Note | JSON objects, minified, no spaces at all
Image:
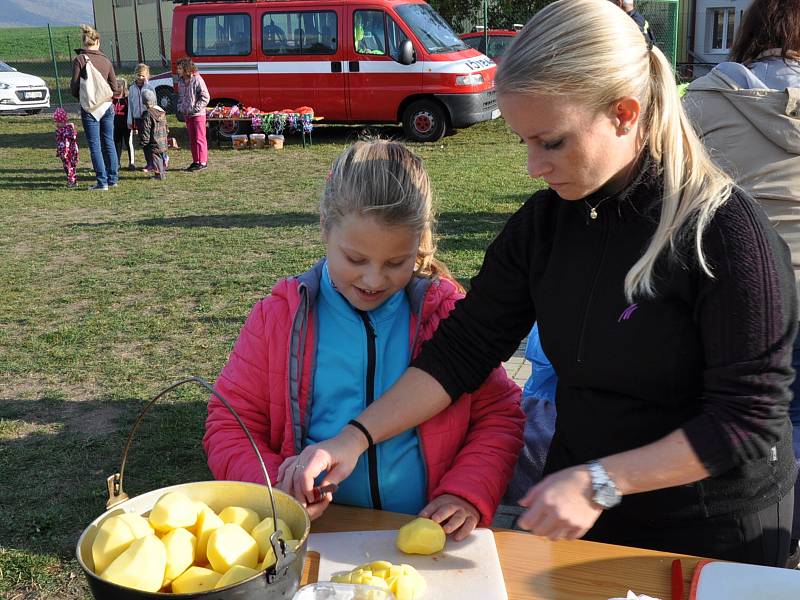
{"x":215,"y":122}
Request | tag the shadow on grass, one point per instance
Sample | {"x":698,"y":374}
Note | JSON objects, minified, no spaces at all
{"x":224,"y":221}
{"x":58,"y":454}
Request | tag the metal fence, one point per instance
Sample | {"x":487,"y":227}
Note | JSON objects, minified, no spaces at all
{"x":53,"y":63}
{"x":663,"y":18}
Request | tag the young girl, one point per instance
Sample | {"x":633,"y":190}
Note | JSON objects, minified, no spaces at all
{"x":141,"y":82}
{"x":67,"y":145}
{"x":193,"y":97}
{"x":123,"y":137}
{"x":327,"y":342}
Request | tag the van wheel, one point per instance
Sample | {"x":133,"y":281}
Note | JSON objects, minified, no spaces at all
{"x":424,"y":121}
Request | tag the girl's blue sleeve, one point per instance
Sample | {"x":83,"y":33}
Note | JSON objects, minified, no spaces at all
{"x":543,"y":379}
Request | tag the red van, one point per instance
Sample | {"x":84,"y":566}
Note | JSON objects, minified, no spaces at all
{"x":372,"y":61}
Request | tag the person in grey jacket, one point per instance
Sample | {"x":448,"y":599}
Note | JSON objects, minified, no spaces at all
{"x":747,"y":112}
{"x":193,"y":98}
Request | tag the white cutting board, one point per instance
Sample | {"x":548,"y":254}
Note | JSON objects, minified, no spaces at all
{"x":467,"y":570}
{"x":734,"y":581}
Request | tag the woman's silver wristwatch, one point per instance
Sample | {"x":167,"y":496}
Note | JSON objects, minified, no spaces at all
{"x":605,"y":490}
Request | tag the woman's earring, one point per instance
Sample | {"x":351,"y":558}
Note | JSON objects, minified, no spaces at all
{"x":626,"y":129}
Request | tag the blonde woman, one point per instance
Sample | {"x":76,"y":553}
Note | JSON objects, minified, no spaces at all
{"x":98,"y":124}
{"x":665,"y":302}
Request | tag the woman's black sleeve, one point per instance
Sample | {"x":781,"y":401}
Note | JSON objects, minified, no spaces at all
{"x":486,"y":326}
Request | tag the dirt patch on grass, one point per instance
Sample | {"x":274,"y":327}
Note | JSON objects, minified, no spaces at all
{"x":51,"y":416}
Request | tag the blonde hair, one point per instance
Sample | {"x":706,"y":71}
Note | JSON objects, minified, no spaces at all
{"x":142,"y":69}
{"x":387,"y":181}
{"x":591,"y":50}
{"x":121,"y":88}
{"x":90,"y":36}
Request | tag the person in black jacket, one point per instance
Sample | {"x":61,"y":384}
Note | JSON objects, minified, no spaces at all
{"x":644,"y":25}
{"x":665,"y":301}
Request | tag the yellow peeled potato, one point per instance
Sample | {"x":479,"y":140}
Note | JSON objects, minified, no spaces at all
{"x":180,"y":545}
{"x":207,"y":521}
{"x":173,"y":510}
{"x":235,"y":574}
{"x":263,"y":530}
{"x":194,"y":580}
{"x":421,"y":536}
{"x":247,"y":518}
{"x":141,"y":566}
{"x":231,"y":545}
{"x":115,"y":535}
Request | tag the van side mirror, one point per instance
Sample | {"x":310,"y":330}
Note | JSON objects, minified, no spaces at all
{"x":406,"y":54}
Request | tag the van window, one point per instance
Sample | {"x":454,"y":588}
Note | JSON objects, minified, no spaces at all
{"x":369,"y":35}
{"x":430,"y":28}
{"x":219,"y":35}
{"x":299,"y":32}
{"x":374,"y":31}
{"x":475,"y":42}
{"x":395,"y":37}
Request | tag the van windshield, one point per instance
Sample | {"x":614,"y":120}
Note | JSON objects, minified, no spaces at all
{"x":430,"y":28}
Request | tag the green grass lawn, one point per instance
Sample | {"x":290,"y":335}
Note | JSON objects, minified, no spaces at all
{"x":108,"y":297}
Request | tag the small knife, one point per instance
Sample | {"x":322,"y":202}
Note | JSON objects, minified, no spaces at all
{"x":320,"y":491}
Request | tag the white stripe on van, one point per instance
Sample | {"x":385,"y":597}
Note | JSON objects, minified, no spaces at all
{"x":324,"y":66}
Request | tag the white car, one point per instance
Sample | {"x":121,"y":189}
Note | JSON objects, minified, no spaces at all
{"x":22,"y":92}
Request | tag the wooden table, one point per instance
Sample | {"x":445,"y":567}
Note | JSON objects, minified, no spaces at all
{"x":535,"y":568}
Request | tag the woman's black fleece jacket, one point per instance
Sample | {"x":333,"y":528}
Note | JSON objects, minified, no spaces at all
{"x":711,"y":356}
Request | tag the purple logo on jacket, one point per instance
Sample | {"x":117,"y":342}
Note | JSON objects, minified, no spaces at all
{"x":626,"y":314}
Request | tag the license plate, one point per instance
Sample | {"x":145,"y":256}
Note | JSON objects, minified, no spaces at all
{"x":495,"y":113}
{"x":32,"y":95}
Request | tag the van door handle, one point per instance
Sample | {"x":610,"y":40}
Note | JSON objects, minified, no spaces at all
{"x":336,"y":66}
{"x":354,"y":68}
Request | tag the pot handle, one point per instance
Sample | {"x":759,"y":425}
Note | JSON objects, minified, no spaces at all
{"x":117,"y":495}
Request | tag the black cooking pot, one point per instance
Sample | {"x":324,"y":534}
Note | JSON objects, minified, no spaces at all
{"x":280,"y":581}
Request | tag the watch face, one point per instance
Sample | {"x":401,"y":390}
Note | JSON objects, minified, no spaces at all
{"x":607,"y":496}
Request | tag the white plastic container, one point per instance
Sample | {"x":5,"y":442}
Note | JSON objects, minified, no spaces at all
{"x":275,"y":141}
{"x":258,"y":140}
{"x":239,"y":142}
{"x":326,"y":590}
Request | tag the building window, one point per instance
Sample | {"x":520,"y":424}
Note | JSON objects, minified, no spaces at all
{"x":219,"y":35}
{"x":122,"y":3}
{"x":721,"y":28}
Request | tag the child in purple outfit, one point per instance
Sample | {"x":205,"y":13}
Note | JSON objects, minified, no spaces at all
{"x":67,"y":145}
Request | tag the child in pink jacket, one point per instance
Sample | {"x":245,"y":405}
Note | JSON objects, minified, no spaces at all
{"x":327,"y":342}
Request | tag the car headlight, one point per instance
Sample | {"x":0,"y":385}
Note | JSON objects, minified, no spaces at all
{"x":472,"y":79}
{"x":5,"y":86}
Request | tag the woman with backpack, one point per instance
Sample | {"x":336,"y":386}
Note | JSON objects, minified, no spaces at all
{"x":93,"y":81}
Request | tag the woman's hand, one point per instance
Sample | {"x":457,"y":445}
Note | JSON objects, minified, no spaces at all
{"x":461,"y":517}
{"x":337,"y":457}
{"x":560,"y":507}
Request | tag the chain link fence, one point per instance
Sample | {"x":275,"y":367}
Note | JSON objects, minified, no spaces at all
{"x":33,"y":54}
{"x":662,"y":15}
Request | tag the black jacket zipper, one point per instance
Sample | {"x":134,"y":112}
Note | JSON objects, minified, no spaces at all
{"x":372,"y":453}
{"x":590,"y":298}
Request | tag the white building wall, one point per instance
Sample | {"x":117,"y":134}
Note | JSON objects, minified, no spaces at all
{"x":708,"y":47}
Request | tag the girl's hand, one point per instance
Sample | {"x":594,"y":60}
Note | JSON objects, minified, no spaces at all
{"x":461,"y":517}
{"x":560,"y":507}
{"x":284,"y":483}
